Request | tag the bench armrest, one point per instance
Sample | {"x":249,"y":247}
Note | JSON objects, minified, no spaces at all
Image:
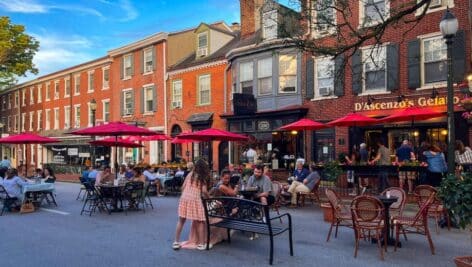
{"x":282,"y":215}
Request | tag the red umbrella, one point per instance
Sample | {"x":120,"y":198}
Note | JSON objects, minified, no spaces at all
{"x":413,"y":114}
{"x":212,"y":134}
{"x":303,"y":125}
{"x":27,"y":138}
{"x":112,"y":141}
{"x":157,"y":137}
{"x":353,"y":119}
{"x":176,"y":140}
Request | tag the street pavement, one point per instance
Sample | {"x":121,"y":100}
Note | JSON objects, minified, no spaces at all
{"x":62,"y":237}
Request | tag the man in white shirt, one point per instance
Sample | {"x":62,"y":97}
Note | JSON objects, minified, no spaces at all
{"x":251,"y":155}
{"x":151,"y":178}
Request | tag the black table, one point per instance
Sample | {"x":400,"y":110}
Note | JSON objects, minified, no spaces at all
{"x":115,"y":193}
{"x":248,"y":193}
{"x":387,"y":202}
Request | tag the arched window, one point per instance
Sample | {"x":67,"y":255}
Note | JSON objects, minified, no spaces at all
{"x":176,"y":149}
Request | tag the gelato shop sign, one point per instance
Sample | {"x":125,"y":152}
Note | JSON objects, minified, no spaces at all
{"x":421,"y":101}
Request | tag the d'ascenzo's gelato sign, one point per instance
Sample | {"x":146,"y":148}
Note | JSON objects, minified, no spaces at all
{"x":421,"y":101}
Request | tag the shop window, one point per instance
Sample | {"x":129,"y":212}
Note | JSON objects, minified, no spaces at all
{"x":437,"y":136}
{"x":324,"y":145}
{"x":248,"y":126}
{"x":235,"y":127}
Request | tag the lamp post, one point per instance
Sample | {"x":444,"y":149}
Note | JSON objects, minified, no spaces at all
{"x":449,"y":26}
{"x":93,"y":109}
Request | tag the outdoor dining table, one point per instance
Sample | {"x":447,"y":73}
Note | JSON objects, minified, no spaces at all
{"x":115,"y":193}
{"x":36,"y":189}
{"x":163,"y":179}
{"x":387,"y":202}
{"x":249,"y":193}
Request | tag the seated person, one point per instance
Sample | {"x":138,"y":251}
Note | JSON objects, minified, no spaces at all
{"x":225,"y":187}
{"x":106,"y":177}
{"x":300,"y":172}
{"x":163,"y":170}
{"x":306,"y":186}
{"x":85,"y":173}
{"x":138,"y":176}
{"x":151,"y":178}
{"x":258,"y":179}
{"x":48,"y":175}
{"x":180,"y":172}
{"x":92,"y":175}
{"x":13,"y":184}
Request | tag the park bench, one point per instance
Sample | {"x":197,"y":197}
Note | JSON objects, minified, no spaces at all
{"x":244,"y":215}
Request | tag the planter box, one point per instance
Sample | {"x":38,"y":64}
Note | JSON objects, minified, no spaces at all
{"x":327,"y":212}
{"x":465,"y":261}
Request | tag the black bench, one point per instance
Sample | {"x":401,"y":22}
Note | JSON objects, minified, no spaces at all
{"x":244,"y":215}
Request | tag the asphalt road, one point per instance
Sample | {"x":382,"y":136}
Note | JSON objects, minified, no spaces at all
{"x":61,"y":237}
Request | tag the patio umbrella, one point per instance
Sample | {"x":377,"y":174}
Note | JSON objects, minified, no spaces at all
{"x":27,"y":138}
{"x":114,"y":129}
{"x":353,"y":119}
{"x":176,"y":140}
{"x":157,"y":137}
{"x":413,"y":114}
{"x":111,"y":141}
{"x":303,"y":125}
{"x":212,"y":134}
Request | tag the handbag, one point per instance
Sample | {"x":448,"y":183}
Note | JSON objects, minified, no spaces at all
{"x":27,"y":207}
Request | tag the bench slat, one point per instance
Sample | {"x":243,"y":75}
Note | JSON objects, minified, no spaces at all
{"x":250,"y":227}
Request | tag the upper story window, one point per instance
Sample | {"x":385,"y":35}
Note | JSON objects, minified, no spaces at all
{"x":434,"y":60}
{"x":77,"y":116}
{"x":127,"y":66}
{"x":148,"y":99}
{"x":264,"y":76}
{"x":435,"y":5}
{"x":128,"y":102}
{"x":56,"y":118}
{"x":40,"y":119}
{"x":246,"y":77}
{"x":287,"y":73}
{"x":48,"y":91}
{"x":375,"y":69}
{"x":9,"y":101}
{"x":4,"y":102}
{"x":77,"y":84}
{"x":91,"y":81}
{"x":31,"y":120}
{"x":23,"y":122}
{"x":324,"y":77}
{"x":324,"y":16}
{"x":48,"y":119}
{"x":106,"y":78}
{"x":17,"y":99}
{"x":40,"y":93}
{"x":66,"y":117}
{"x":106,"y":110}
{"x":373,"y":11}
{"x":204,"y":89}
{"x":56,"y":90}
{"x":177,"y":94}
{"x":202,"y":43}
{"x":269,"y":25}
{"x":31,"y":95}
{"x":23,"y":97}
{"x":66,"y":87}
{"x":148,"y":60}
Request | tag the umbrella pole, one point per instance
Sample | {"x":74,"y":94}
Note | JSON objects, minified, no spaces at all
{"x":26,"y":162}
{"x":116,"y":157}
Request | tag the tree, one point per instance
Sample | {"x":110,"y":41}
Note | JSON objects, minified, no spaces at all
{"x":17,"y":50}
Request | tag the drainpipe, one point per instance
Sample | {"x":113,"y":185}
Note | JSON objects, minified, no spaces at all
{"x":165,"y":77}
{"x":225,"y":109}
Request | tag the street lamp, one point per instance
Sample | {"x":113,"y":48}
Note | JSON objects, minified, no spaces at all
{"x":93,"y":109}
{"x":449,"y":26}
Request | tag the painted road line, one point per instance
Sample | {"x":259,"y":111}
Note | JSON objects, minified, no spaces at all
{"x":55,"y":211}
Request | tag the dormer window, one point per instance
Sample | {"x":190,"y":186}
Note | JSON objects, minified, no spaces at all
{"x":269,"y":25}
{"x":324,"y":16}
{"x":202,"y":44}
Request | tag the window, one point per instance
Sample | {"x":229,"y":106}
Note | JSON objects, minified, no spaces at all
{"x":127,"y":66}
{"x":76,"y":116}
{"x":40,"y":119}
{"x":106,"y":110}
{"x":374,"y":68}
{"x":324,"y":77}
{"x":128,"y":102}
{"x":23,"y":122}
{"x":435,"y":5}
{"x":373,"y":11}
{"x":324,"y":16}
{"x":324,"y":143}
{"x":177,"y":94}
{"x":264,"y":76}
{"x":106,"y":78}
{"x":9,"y":101}
{"x":40,"y":93}
{"x":31,"y":95}
{"x":77,"y":85}
{"x":90,"y":115}
{"x":148,"y":60}
{"x":66,"y":117}
{"x":4,"y":102}
{"x":17,"y":123}
{"x":56,"y":118}
{"x":17,"y":99}
{"x":434,"y":60}
{"x":48,"y":91}
{"x":246,"y":77}
{"x":66,"y":87}
{"x":204,"y":87}
{"x":287,"y":73}
{"x":31,"y":120}
{"x":48,"y":119}
{"x":90,"y":82}
{"x":23,"y":97}
{"x":9,"y":123}
{"x":56,"y":90}
{"x":269,"y":25}
{"x":202,"y":44}
{"x":148,"y":99}
{"x":32,"y":147}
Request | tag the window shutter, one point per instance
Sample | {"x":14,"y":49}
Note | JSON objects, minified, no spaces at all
{"x":121,"y":67}
{"x":154,"y":98}
{"x":122,"y":102}
{"x":141,"y":61}
{"x":132,"y":102}
{"x":142,"y":100}
{"x":392,"y":67}
{"x":132,"y":64}
{"x":458,"y":57}
{"x":153,"y":57}
{"x":310,"y":76}
{"x":357,"y":72}
{"x":414,"y":56}
{"x":339,"y":65}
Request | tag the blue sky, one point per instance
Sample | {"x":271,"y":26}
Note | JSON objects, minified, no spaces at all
{"x":72,"y":32}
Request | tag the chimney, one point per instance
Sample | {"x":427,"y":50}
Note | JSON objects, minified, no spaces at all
{"x":250,"y":16}
{"x":235,"y":27}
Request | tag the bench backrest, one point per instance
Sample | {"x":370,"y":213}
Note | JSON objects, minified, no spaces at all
{"x":236,"y":209}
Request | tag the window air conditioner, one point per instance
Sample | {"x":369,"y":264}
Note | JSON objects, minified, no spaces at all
{"x":128,"y":111}
{"x":176,"y":104}
{"x":325,"y":91}
{"x":435,"y":3}
{"x":201,"y":52}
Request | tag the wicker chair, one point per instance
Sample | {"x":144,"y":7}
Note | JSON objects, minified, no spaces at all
{"x":277,"y":189}
{"x":313,"y":195}
{"x":417,"y":224}
{"x":396,"y":209}
{"x":437,"y":209}
{"x":368,"y":215}
{"x":341,"y":214}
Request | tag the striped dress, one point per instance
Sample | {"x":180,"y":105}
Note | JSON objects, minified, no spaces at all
{"x":190,"y":204}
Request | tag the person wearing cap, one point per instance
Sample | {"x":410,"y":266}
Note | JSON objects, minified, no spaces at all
{"x":405,"y":154}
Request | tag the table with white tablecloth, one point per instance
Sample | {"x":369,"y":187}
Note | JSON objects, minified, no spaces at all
{"x":37,"y":191}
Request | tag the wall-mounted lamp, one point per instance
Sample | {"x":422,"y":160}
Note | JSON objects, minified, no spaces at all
{"x":294,"y":132}
{"x":370,"y":100}
{"x":275,"y":133}
{"x":400,"y":98}
{"x":416,"y":133}
{"x":434,"y":93}
{"x":444,"y":132}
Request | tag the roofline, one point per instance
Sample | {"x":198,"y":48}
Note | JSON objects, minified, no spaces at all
{"x":199,"y":66}
{"x":138,"y":44}
{"x":194,"y":28}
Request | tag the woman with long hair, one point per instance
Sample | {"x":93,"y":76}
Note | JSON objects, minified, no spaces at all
{"x":190,"y":206}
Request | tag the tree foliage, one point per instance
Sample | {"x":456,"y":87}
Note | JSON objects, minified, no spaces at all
{"x":17,"y":50}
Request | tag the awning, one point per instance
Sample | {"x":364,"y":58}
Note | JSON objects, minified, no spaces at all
{"x":200,"y":118}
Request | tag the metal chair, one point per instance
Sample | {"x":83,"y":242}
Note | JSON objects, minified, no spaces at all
{"x":82,"y":189}
{"x":437,"y":209}
{"x":94,"y":199}
{"x":7,"y":200}
{"x":340,"y":213}
{"x":146,"y":197}
{"x":133,"y":194}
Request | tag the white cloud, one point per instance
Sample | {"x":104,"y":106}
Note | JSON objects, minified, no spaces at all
{"x":23,"y":6}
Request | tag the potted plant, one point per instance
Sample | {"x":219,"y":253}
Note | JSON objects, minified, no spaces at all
{"x":331,"y":171}
{"x":466,"y":103}
{"x":456,"y":194}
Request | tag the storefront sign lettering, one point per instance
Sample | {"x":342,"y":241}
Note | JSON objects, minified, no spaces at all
{"x":421,"y":101}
